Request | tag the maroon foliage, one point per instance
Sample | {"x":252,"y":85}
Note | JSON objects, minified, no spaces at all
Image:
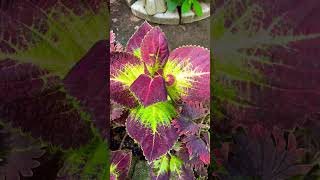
{"x":35,"y":101}
{"x":149,"y":90}
{"x":153,"y":145}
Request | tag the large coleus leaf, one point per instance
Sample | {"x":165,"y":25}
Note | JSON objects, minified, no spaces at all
{"x":120,"y":164}
{"x":149,"y":90}
{"x":124,"y":70}
{"x":87,"y":82}
{"x":135,"y":41}
{"x":18,"y":154}
{"x":270,"y":64}
{"x":35,"y":101}
{"x":154,"y":49}
{"x":153,"y":145}
{"x":190,"y":67}
{"x":264,"y":154}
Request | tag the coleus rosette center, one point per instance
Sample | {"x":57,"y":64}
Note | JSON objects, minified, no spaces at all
{"x":149,"y":79}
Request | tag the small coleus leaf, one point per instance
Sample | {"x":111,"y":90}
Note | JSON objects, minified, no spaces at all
{"x":86,"y":81}
{"x":120,"y":164}
{"x":190,"y":65}
{"x":194,"y":110}
{"x":149,"y":90}
{"x":34,"y":100}
{"x":124,"y":70}
{"x":154,"y":49}
{"x":197,"y":148}
{"x":135,"y":41}
{"x":20,"y":152}
{"x":116,"y":110}
{"x":185,"y":126}
{"x":161,"y":167}
{"x":265,"y":154}
{"x":114,"y":45}
{"x":153,"y":145}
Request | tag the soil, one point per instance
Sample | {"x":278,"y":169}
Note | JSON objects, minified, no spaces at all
{"x":124,"y":24}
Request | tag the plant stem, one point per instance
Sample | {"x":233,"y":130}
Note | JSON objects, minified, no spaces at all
{"x":124,"y":138}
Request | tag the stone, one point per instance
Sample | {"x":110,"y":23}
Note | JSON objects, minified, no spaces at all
{"x":168,"y":17}
{"x":187,"y":17}
{"x":161,"y":6}
{"x":138,"y":10}
{"x":155,"y":6}
{"x":130,"y":2}
{"x":150,"y":6}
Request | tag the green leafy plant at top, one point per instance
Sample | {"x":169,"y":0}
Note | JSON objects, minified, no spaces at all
{"x":186,"y":6}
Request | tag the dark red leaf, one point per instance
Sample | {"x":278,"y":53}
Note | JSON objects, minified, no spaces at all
{"x":136,"y":39}
{"x":88,"y":83}
{"x":35,"y":101}
{"x":149,"y":90}
{"x":154,"y":48}
{"x":153,"y":145}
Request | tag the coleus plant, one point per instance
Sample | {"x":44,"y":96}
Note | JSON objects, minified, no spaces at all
{"x":165,"y":93}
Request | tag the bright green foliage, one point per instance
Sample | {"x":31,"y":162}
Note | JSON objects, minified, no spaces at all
{"x":129,"y":74}
{"x":197,"y":8}
{"x":172,"y":4}
{"x":66,"y":31}
{"x":186,"y":6}
{"x":184,"y":74}
{"x":160,"y":113}
{"x":175,"y":164}
{"x":161,"y":165}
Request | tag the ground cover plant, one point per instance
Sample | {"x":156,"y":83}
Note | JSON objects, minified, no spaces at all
{"x":265,"y":89}
{"x":160,"y":106}
{"x":53,"y":122}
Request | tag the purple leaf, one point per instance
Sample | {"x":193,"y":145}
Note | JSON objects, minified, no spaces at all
{"x":136,"y":39}
{"x":153,"y":145}
{"x":149,"y":90}
{"x":20,"y":154}
{"x":122,"y":160}
{"x":118,"y":92}
{"x":194,"y":110}
{"x":34,"y":100}
{"x":265,"y":154}
{"x":185,"y":126}
{"x":88,"y":83}
{"x":200,"y":59}
{"x":197,"y":148}
{"x":154,"y":48}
